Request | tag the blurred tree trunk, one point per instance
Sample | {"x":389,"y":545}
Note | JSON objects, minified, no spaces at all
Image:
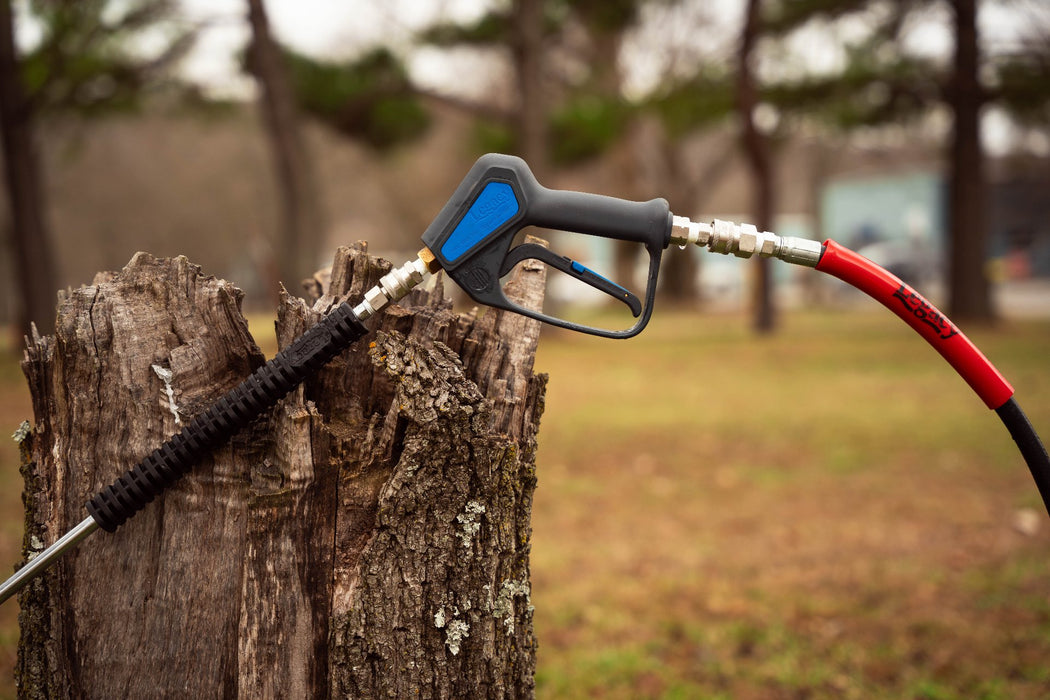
{"x":968,"y":285}
{"x":301,"y":227}
{"x":678,"y":278}
{"x":670,"y":169}
{"x":759,"y":160}
{"x":34,"y":263}
{"x":368,"y":538}
{"x":528,"y":52}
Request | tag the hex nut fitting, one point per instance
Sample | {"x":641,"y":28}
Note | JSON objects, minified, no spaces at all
{"x":769,"y":245}
{"x":376,"y":298}
{"x":685,"y":232}
{"x":746,"y":241}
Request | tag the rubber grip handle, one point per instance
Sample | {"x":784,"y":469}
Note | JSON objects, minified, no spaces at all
{"x":112,"y":506}
{"x":599,"y":215}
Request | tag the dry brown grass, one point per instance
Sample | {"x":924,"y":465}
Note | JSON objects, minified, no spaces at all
{"x":826,"y":513}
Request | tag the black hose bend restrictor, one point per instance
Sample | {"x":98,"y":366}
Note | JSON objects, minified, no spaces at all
{"x":130,"y":493}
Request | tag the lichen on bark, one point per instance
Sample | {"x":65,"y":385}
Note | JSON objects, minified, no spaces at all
{"x":416,"y":568}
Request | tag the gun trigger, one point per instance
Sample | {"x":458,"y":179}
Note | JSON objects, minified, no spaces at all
{"x":573,"y":269}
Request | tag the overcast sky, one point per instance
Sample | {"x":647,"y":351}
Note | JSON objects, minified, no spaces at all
{"x":317,"y":27}
{"x":341,"y":29}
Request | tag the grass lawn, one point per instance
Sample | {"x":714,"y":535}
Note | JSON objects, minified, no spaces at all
{"x":826,"y":513}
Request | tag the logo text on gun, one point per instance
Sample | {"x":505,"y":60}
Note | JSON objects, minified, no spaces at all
{"x":495,"y":203}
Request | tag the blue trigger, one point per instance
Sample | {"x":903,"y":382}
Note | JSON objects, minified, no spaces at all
{"x":495,"y":206}
{"x":581,"y":269}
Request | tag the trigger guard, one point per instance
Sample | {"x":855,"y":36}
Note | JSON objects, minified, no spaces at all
{"x":532,"y":251}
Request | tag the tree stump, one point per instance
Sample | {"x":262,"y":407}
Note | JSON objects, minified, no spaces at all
{"x":369,"y":538}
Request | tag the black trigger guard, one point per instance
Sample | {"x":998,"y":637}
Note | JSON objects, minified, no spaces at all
{"x":529,"y":251}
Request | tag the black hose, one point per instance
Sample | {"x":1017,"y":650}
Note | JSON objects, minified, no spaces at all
{"x":1031,"y":446}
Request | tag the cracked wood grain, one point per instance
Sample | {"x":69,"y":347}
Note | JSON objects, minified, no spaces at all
{"x":368,"y":538}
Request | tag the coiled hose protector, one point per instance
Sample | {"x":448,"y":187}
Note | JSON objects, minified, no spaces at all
{"x":113,"y":505}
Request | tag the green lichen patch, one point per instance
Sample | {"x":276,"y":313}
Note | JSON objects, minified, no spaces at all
{"x":470,"y":522}
{"x":503,"y":609}
{"x":23,"y":432}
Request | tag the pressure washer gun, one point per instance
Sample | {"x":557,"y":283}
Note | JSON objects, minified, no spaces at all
{"x":477,"y":240}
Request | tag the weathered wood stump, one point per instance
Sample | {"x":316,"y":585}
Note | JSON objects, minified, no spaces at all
{"x":368,"y":538}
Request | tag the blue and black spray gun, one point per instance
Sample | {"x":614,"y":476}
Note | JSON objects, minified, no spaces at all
{"x":477,"y":240}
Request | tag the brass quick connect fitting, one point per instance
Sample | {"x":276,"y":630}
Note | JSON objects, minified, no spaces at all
{"x":430,"y":260}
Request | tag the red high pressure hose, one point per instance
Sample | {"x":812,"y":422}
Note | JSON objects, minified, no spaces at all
{"x":950,"y":342}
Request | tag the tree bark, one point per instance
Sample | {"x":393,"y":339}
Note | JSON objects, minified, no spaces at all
{"x":300,"y":232}
{"x":34,"y":262}
{"x":969,"y":294}
{"x":759,"y":160}
{"x":368,"y":538}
